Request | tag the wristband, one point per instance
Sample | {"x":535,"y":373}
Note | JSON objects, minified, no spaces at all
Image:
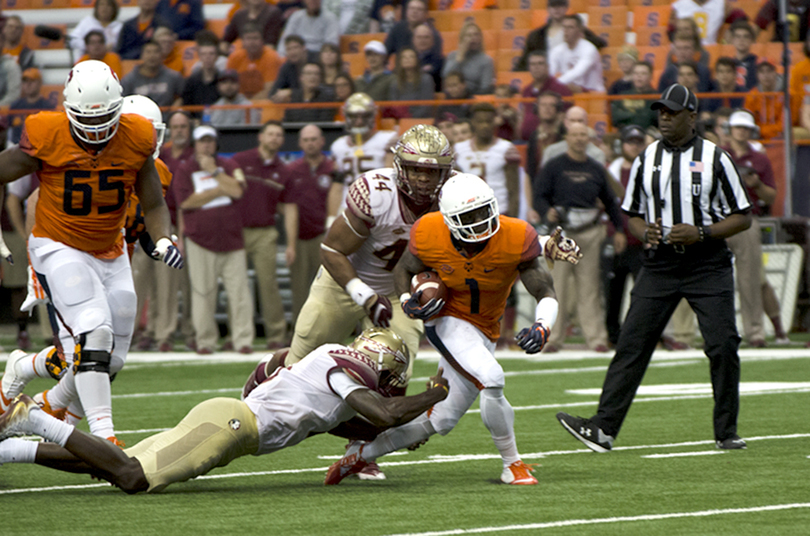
{"x":443,"y":386}
{"x":546,"y":312}
{"x":359,"y":291}
{"x":404,"y":297}
{"x":543,"y":241}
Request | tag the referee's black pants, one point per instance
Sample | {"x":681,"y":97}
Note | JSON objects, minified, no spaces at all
{"x":703,"y":275}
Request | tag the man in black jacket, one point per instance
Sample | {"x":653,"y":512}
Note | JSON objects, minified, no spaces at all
{"x":550,"y":34}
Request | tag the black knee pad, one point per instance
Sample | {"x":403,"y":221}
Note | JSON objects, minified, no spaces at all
{"x":90,"y":360}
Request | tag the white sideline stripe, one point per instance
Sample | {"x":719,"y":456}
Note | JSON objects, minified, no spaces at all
{"x":603,"y":520}
{"x":431,"y":460}
{"x":685,"y":454}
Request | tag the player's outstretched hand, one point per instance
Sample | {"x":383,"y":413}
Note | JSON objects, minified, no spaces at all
{"x":438,"y":381}
{"x":167,"y":251}
{"x":560,"y":248}
{"x":534,"y":338}
{"x":413,"y":309}
{"x":380,"y":311}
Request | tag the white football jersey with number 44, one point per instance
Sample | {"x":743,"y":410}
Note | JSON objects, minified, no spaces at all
{"x":374,"y":198}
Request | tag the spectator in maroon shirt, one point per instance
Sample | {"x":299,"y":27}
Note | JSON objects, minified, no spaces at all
{"x":267,"y":189}
{"x":310,"y":179}
{"x":206,"y":188}
{"x":266,"y":15}
{"x":542,"y":82}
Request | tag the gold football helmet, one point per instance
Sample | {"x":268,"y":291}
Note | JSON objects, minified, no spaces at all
{"x":389,"y":352}
{"x":360,"y":113}
{"x":422,"y":150}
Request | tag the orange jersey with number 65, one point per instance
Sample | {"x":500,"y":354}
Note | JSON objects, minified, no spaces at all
{"x":478,"y":286}
{"x":83,"y":197}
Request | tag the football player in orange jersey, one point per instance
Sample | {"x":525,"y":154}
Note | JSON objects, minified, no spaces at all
{"x":89,"y":159}
{"x":22,"y":367}
{"x":478,"y":254}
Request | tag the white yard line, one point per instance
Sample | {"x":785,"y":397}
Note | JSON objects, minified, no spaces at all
{"x":605,"y":520}
{"x":431,"y":460}
{"x":685,"y":454}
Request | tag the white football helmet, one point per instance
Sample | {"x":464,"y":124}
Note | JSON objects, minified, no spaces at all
{"x":93,"y":101}
{"x":146,"y":107}
{"x":389,"y":352}
{"x":469,"y":208}
{"x":360,"y":113}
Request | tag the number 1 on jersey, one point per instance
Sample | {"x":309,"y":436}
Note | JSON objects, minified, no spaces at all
{"x":475,"y":295}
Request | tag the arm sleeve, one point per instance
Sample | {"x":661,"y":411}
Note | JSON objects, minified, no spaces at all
{"x":607,"y":197}
{"x":731,"y":185}
{"x":231,"y":32}
{"x":342,"y":384}
{"x":634,"y":199}
{"x":413,"y":239}
{"x":358,"y":200}
{"x":531,"y":245}
{"x":542,"y":188}
{"x":487,"y":76}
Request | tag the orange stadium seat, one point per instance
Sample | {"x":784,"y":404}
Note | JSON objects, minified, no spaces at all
{"x":599,"y":17}
{"x":651,"y":36}
{"x":596,"y":106}
{"x":614,"y":35}
{"x":353,"y":44}
{"x":127,"y":66}
{"x":15,"y":4}
{"x":718,"y":51}
{"x":610,"y":3}
{"x":217,"y":26}
{"x":600,"y":123}
{"x":354,"y":64}
{"x":407,"y":122}
{"x":448,"y":21}
{"x":655,"y":55}
{"x":539,"y":18}
{"x":580,"y":6}
{"x":50,"y":4}
{"x":53,"y":92}
{"x":512,"y":39}
{"x":507,"y":59}
{"x":450,"y":41}
{"x":516,"y":80}
{"x":610,"y":77}
{"x":270,"y":111}
{"x":82,"y":3}
{"x":523,"y":4}
{"x":510,"y":19}
{"x":650,"y":16}
{"x":642,"y":3}
{"x":38,"y":43}
{"x":609,"y":58}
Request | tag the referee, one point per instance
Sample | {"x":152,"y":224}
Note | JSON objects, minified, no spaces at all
{"x":684,"y":198}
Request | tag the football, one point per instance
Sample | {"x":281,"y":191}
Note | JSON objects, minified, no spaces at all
{"x":431,"y":286}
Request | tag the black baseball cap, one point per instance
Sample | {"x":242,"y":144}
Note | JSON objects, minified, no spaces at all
{"x":633,"y":132}
{"x":676,"y":98}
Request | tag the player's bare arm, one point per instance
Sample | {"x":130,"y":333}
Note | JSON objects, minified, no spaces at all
{"x":15,"y":163}
{"x":156,"y":214}
{"x":538,"y":281}
{"x":408,"y":266}
{"x":346,"y":235}
{"x":387,"y":412}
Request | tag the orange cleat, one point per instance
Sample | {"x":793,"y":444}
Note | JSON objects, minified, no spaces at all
{"x":519,"y":474}
{"x":117,"y":442}
{"x":42,"y":400}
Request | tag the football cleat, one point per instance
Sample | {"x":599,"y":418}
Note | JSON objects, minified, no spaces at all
{"x":42,"y":400}
{"x":519,"y":474}
{"x":732,"y":443}
{"x":13,"y":381}
{"x":583,"y":429}
{"x":14,"y":422}
{"x":371,"y":472}
{"x":117,"y":442}
{"x":351,"y":463}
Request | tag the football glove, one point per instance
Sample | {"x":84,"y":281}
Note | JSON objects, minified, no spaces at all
{"x":168,"y":253}
{"x":380,"y":311}
{"x":560,"y":248}
{"x":413,"y":309}
{"x":534,"y":338}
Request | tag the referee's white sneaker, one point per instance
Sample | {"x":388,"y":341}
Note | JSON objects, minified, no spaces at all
{"x":731,"y":443}
{"x":583,"y":429}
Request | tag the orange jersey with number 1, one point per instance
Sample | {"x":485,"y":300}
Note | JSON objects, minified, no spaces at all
{"x":83,"y":197}
{"x":478,"y":286}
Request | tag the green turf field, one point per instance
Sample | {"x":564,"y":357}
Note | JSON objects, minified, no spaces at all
{"x":663,"y":477}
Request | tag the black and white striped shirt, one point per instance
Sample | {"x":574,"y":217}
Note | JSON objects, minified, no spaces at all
{"x":697,"y":184}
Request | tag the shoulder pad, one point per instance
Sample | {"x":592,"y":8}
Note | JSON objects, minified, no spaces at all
{"x":357,"y":366}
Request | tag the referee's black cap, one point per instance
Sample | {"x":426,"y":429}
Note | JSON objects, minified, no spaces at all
{"x":676,"y":98}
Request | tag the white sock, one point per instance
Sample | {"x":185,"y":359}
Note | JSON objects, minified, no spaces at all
{"x":50,"y":428}
{"x":16,"y":450}
{"x":96,"y":399}
{"x":64,"y":392}
{"x":75,"y":413}
{"x":499,"y":418}
{"x":399,"y":437}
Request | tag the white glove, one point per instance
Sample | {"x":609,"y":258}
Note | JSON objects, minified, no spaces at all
{"x":36,"y":294}
{"x":168,"y":253}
